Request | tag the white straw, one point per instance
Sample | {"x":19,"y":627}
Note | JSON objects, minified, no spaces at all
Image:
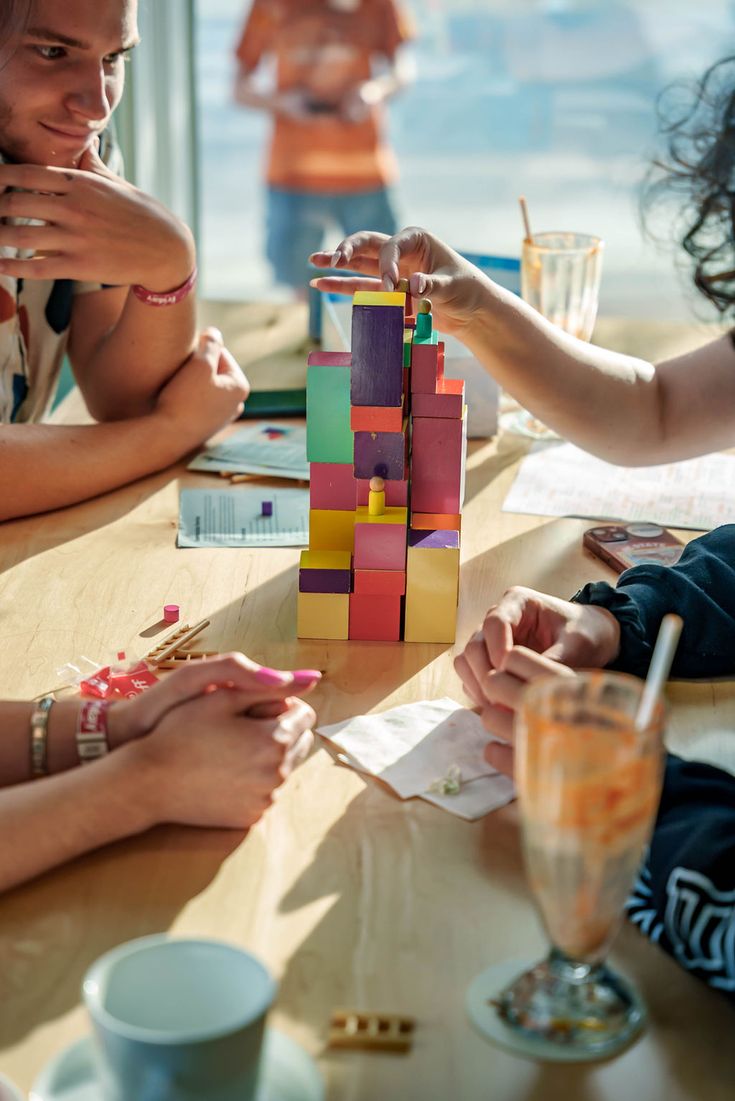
{"x":658,"y":670}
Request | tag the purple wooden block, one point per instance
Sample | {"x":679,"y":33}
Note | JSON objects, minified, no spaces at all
{"x":377,"y":355}
{"x":381,"y":454}
{"x":266,"y":509}
{"x":325,"y":581}
{"x":433,"y":540}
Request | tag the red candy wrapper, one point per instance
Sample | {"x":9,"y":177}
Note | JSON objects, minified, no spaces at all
{"x":116,"y":683}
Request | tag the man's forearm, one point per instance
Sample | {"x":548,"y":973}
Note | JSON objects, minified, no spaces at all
{"x":44,"y":467}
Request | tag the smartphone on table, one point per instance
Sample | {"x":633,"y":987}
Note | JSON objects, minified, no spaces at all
{"x":621,"y":546}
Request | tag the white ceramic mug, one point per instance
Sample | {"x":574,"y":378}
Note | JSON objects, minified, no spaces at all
{"x":178,"y":1020}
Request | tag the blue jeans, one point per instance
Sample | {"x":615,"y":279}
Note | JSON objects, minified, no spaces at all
{"x":297,"y":221}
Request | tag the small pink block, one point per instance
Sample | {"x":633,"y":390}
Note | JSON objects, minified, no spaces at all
{"x":171,"y":613}
{"x":380,"y":547}
{"x":396,"y":493}
{"x":427,"y":367}
{"x":448,"y":401}
{"x":333,"y":486}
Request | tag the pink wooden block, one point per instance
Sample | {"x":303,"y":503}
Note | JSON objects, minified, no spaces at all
{"x":427,"y":367}
{"x":448,"y":401}
{"x":396,"y":493}
{"x":333,"y":485}
{"x":437,"y":464}
{"x":380,"y":547}
{"x":319,"y":358}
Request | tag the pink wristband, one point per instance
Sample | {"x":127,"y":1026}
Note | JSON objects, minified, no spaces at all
{"x":167,"y":298}
{"x":92,"y":730}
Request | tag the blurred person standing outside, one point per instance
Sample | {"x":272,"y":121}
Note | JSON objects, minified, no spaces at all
{"x":336,"y":63}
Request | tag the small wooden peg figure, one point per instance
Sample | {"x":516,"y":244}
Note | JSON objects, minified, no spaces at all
{"x":376,"y":497}
{"x":402,"y":286}
{"x":424,"y":305}
{"x":423,"y":320}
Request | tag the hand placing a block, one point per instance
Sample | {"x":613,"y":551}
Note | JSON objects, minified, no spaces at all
{"x":457,"y":289}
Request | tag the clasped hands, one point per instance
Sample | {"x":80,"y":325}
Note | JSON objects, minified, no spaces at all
{"x":526,"y":636}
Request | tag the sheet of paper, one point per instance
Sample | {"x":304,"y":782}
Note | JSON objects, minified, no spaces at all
{"x":262,"y":448}
{"x":234,"y":517}
{"x":410,"y":747}
{"x":562,"y":480}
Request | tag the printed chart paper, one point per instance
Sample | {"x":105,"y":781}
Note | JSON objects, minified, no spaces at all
{"x":234,"y":517}
{"x":562,"y":480}
{"x":274,"y":449}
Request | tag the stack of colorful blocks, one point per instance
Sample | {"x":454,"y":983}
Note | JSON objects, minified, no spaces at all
{"x":386,"y":439}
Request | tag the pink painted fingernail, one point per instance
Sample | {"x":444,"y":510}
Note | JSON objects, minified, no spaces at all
{"x":304,"y":676}
{"x":272,"y":677}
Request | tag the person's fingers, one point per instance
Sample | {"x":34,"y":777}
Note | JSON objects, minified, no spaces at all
{"x":527,"y":665}
{"x":501,"y":624}
{"x":292,"y":723}
{"x":335,"y":284}
{"x":501,"y":757}
{"x":498,"y":721}
{"x":92,"y":162}
{"x":475,"y":654}
{"x":364,"y":243}
{"x":364,"y":265}
{"x":394,"y":249}
{"x":469,"y":681}
{"x":300,"y":750}
{"x":502,"y":689}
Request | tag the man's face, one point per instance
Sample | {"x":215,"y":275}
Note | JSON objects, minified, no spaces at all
{"x":64,"y":78}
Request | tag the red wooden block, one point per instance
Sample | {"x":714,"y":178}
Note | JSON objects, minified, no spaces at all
{"x":375,"y":618}
{"x":380,"y":582}
{"x":448,"y":401}
{"x":333,"y":485}
{"x":376,"y":418}
{"x":437,"y":464}
{"x":380,"y":547}
{"x":425,"y":368}
{"x":396,"y":493}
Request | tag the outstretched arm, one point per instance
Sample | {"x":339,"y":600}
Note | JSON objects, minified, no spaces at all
{"x":623,"y":409}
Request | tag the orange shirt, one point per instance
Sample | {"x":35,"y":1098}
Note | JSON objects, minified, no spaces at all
{"x":324,"y":51}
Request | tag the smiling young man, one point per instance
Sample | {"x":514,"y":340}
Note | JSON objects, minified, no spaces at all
{"x":90,"y":266}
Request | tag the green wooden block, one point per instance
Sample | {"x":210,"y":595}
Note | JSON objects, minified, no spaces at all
{"x":430,"y":337}
{"x":329,"y":438}
{"x":423,"y":331}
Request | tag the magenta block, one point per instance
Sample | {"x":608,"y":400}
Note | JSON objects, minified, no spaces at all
{"x":448,"y":401}
{"x":319,"y":358}
{"x":333,"y":486}
{"x":396,"y":493}
{"x":427,"y":367}
{"x":381,"y":453}
{"x":377,"y":355}
{"x":380,"y":547}
{"x":437,"y":464}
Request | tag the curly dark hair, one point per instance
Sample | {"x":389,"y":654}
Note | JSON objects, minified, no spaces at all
{"x":699,"y":171}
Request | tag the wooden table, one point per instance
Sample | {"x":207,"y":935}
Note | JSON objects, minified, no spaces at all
{"x":352,"y":897}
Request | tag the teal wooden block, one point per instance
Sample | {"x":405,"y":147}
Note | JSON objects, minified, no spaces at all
{"x":329,"y":438}
{"x":430,"y":337}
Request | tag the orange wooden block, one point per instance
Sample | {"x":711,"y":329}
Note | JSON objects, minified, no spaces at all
{"x":376,"y":418}
{"x":375,"y":618}
{"x":380,"y":582}
{"x":436,"y":521}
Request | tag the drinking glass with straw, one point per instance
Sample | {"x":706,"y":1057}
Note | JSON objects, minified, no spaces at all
{"x":589,"y":766}
{"x":560,"y":277}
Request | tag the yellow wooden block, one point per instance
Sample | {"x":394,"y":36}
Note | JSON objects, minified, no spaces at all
{"x":391,"y":515}
{"x":432,"y":586}
{"x":379,"y":298}
{"x":323,"y":615}
{"x":325,"y":560}
{"x":331,"y":530}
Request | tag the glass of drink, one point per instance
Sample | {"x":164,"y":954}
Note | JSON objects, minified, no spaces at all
{"x":560,"y":277}
{"x":589,"y":783}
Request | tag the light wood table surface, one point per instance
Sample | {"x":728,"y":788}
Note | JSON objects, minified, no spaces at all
{"x":351,"y":896}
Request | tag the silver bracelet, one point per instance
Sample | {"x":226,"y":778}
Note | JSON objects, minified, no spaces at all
{"x":39,"y":733}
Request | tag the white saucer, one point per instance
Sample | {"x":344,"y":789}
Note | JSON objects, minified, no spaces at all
{"x":289,"y":1073}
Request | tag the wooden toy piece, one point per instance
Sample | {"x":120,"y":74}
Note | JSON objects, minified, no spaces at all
{"x":437,"y":464}
{"x":171,"y":613}
{"x":376,"y":498}
{"x":396,"y":493}
{"x":349,"y":1028}
{"x":266,"y":509}
{"x":380,"y":298}
{"x":402,"y":285}
{"x":328,"y":433}
{"x":322,"y":571}
{"x":376,"y":418}
{"x":333,"y":486}
{"x":331,"y":529}
{"x":184,"y":657}
{"x":175,"y":641}
{"x":424,"y":328}
{"x":379,"y":582}
{"x":380,"y":541}
{"x":375,"y":618}
{"x":448,"y":400}
{"x":323,"y":615}
{"x":432,"y":586}
{"x":431,"y":521}
{"x":384,"y":454}
{"x":377,"y":355}
{"x":407,"y":341}
{"x":427,"y":368}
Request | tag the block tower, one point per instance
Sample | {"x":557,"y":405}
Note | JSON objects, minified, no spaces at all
{"x":386,"y":439}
